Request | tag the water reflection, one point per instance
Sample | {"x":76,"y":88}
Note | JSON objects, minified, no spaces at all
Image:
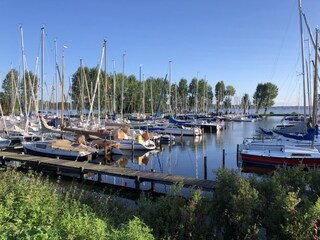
{"x":186,"y":156}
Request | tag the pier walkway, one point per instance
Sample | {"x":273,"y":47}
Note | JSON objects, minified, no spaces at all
{"x":60,"y":166}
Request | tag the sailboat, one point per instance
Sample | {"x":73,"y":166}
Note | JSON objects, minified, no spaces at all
{"x":276,"y":155}
{"x":60,"y":148}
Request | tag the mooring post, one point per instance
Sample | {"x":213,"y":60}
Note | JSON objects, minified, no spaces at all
{"x":137,"y":182}
{"x":99,"y":177}
{"x":205,"y":167}
{"x":152,"y":183}
{"x":237,"y":155}
{"x":3,"y":162}
{"x":223,"y":157}
{"x":81,"y":173}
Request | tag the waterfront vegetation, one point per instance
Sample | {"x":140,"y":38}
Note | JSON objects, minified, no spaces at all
{"x":285,"y":205}
{"x":195,"y":95}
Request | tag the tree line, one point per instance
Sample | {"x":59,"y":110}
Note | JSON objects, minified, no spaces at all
{"x":141,"y":96}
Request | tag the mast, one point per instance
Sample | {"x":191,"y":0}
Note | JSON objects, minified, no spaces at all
{"x":42,"y":66}
{"x":99,"y":103}
{"x":169,"y":98}
{"x":176,"y":98}
{"x":302,"y":62}
{"x":114,"y":86}
{"x":24,"y":81}
{"x":62,"y":87}
{"x":82,"y":91}
{"x":12,"y":91}
{"x":143,"y":96}
{"x":56,"y":76}
{"x":197,"y":94}
{"x":161,"y":95}
{"x":96,"y":87}
{"x":142,"y":86}
{"x":315,"y":94}
{"x":140,"y":80}
{"x":106,"y":109}
{"x":151,"y":101}
{"x":308,"y":72}
{"x":122,"y":89}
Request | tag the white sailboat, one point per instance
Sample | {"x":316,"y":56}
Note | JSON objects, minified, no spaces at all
{"x":180,"y":130}
{"x":61,"y":148}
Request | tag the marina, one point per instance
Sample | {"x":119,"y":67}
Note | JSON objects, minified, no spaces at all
{"x":193,"y":160}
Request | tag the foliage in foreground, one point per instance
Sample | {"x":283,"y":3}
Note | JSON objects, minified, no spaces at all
{"x":31,"y":207}
{"x":283,"y":206}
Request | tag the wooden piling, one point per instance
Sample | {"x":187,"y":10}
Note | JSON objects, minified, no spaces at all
{"x":81,"y":173}
{"x":152,"y":183}
{"x":223,"y":157}
{"x":205,"y":167}
{"x":137,"y":182}
{"x":99,"y":177}
{"x":237,"y":155}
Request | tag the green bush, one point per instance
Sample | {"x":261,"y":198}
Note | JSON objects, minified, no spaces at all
{"x":33,"y":208}
{"x":285,"y":205}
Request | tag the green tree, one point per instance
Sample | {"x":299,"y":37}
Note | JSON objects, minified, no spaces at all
{"x":210,"y":97}
{"x":192,"y":91}
{"x":133,"y":95}
{"x":32,"y":89}
{"x":245,"y":103}
{"x":183,"y":94}
{"x":264,"y":96}
{"x":219,"y":94}
{"x":230,"y":92}
{"x":83,"y":82}
{"x":9,"y":100}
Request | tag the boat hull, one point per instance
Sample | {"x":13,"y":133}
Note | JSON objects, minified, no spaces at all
{"x":274,"y":162}
{"x":133,"y":145}
{"x":55,"y":155}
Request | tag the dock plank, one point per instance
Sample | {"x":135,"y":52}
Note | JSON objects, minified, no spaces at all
{"x":87,"y":167}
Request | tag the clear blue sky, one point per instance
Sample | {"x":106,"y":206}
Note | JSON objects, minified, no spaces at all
{"x":242,"y":43}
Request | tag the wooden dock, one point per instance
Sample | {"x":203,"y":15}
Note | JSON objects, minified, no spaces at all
{"x":60,"y":166}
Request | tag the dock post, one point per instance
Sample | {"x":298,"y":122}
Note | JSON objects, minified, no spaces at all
{"x":237,"y":155}
{"x":223,"y":157}
{"x":99,"y":177}
{"x":81,"y":173}
{"x":152,"y":183}
{"x":211,"y":129}
{"x":137,"y":182}
{"x":205,"y":167}
{"x":3,"y":163}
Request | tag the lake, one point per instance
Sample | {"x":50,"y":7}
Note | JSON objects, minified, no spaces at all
{"x":186,"y":156}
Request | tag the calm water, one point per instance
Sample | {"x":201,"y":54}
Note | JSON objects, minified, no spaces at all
{"x":186,"y":156}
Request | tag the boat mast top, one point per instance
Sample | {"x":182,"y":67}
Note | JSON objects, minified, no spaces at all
{"x":302,"y":61}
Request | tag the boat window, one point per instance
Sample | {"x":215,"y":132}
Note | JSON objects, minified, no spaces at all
{"x":42,"y":146}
